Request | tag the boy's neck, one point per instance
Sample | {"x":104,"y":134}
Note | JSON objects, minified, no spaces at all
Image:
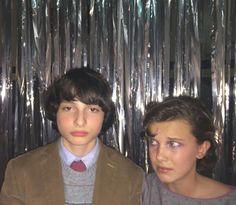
{"x":79,"y":150}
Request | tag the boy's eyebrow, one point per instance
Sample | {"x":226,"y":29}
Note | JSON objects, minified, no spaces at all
{"x":67,"y":102}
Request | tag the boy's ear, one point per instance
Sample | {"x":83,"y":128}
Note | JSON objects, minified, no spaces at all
{"x":202,"y":149}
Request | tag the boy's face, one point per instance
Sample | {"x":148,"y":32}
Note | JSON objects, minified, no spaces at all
{"x":79,"y":125}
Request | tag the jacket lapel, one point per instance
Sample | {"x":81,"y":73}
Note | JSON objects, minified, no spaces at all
{"x":52,"y":176}
{"x":105,"y":175}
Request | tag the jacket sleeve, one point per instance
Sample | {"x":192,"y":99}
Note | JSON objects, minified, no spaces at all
{"x":12,"y":191}
{"x":135,"y":196}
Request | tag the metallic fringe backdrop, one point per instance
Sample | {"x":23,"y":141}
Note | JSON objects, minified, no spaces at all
{"x":147,"y":49}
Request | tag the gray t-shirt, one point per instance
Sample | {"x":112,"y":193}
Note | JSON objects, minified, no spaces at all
{"x":155,"y":193}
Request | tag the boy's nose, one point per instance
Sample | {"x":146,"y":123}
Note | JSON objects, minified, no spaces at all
{"x":80,"y":118}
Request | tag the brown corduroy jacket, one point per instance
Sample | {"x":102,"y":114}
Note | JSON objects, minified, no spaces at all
{"x":35,"y":178}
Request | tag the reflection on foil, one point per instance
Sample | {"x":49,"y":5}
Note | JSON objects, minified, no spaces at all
{"x":147,"y":50}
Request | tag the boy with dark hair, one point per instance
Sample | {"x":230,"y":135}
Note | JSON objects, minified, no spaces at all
{"x":78,"y":168}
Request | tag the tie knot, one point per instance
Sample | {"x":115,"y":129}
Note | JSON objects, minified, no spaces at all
{"x":78,"y":166}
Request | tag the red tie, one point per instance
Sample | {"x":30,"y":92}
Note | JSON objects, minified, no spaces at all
{"x":78,"y":166}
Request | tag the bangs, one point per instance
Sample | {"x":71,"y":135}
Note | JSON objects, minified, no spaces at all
{"x":84,"y":92}
{"x":85,"y":85}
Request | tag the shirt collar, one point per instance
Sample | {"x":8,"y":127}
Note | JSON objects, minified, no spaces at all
{"x":88,"y":159}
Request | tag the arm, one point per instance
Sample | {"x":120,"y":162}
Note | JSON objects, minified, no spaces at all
{"x":11,"y":192}
{"x":136,"y":189}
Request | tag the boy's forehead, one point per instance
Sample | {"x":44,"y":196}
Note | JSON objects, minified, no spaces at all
{"x":77,"y":101}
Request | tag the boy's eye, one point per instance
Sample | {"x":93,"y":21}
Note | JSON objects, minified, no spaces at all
{"x":95,"y":109}
{"x":66,"y":108}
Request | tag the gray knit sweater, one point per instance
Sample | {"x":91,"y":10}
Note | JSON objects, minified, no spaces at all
{"x":78,"y":186}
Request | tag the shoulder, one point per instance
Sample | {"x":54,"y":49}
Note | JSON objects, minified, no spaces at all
{"x":212,"y":188}
{"x":150,"y":190}
{"x":119,"y":160}
{"x":222,"y":193}
{"x":151,"y":180}
{"x":36,"y":155}
{"x":232,"y":192}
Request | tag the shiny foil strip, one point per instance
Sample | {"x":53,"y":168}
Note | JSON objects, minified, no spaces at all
{"x":146,"y":49}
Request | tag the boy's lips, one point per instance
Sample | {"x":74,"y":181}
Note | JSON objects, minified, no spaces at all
{"x":79,"y":133}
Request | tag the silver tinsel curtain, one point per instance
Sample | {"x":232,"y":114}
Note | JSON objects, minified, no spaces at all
{"x":147,"y":50}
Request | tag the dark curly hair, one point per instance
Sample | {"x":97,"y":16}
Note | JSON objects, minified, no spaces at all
{"x":196,"y":114}
{"x":83,"y":84}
